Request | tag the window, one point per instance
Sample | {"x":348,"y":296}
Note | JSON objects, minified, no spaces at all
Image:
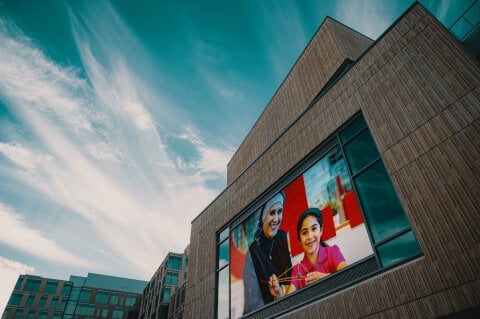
{"x":223,"y":274}
{"x":54,"y":303}
{"x":18,"y":314}
{"x":117,"y":313}
{"x":31,"y":314}
{"x":85,"y":294}
{"x":131,"y":299}
{"x":67,"y":286}
{"x":30,"y":300}
{"x":63,"y":304}
{"x":6,"y":313}
{"x":75,"y":293}
{"x":101,"y":296}
{"x":171,"y":278}
{"x":166,"y":293}
{"x":121,"y":299}
{"x":387,"y":222}
{"x":51,"y":287}
{"x":174,"y":262}
{"x":18,"y":285}
{"x":33,"y":284}
{"x":114,"y":299}
{"x":104,"y":312}
{"x":15,"y":298}
{"x":84,"y":309}
{"x":42,"y":302}
{"x":57,"y":315}
{"x":70,"y":308}
{"x":42,"y":315}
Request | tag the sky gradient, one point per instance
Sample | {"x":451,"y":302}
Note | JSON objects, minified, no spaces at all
{"x":118,"y":119}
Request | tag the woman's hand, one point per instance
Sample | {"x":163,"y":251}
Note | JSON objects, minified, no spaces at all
{"x":275,"y":288}
{"x":314,"y":276}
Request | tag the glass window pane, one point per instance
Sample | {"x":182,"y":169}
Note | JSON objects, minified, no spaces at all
{"x":30,"y":300}
{"x":31,"y":314}
{"x":19,"y":282}
{"x":352,"y":128}
{"x":380,"y":203}
{"x":114,"y":299}
{"x":51,"y":287}
{"x":42,"y":302}
{"x":117,"y":313}
{"x":6,"y":313}
{"x":75,"y":293}
{"x":223,"y":235}
{"x":15,"y":298}
{"x":18,"y":314}
{"x":398,"y":249}
{"x":66,"y":288}
{"x":32,"y":284}
{"x":174,"y":262}
{"x":85,"y":294}
{"x":223,"y":294}
{"x":130,"y":300}
{"x":101,"y":296}
{"x":166,"y":294}
{"x":361,"y":151}
{"x":54,"y":303}
{"x":70,"y":308}
{"x":223,"y":254}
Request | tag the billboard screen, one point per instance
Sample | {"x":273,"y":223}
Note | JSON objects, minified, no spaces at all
{"x":311,"y":228}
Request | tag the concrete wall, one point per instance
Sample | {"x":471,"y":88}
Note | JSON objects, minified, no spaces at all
{"x":419,"y":91}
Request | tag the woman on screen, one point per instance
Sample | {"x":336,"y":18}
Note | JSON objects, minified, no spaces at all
{"x":267,"y":255}
{"x":319,"y":260}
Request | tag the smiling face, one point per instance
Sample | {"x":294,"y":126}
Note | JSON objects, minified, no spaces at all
{"x":272,"y":220}
{"x":310,"y":235}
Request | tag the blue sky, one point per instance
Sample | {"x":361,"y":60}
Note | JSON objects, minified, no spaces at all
{"x":117,"y":119}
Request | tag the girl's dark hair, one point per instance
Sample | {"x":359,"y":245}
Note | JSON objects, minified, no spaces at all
{"x":315,"y":212}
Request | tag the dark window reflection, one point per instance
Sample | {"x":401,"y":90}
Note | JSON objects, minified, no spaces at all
{"x":380,"y":202}
{"x":361,"y":151}
{"x":400,"y":248}
{"x":353,"y":128}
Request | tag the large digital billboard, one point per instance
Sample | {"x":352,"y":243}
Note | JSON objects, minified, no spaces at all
{"x":311,"y":228}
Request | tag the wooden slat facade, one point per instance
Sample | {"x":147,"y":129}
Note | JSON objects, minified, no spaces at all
{"x":419,"y":90}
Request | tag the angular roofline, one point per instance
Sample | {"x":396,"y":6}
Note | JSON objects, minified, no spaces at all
{"x":315,"y":99}
{"x":290,"y":71}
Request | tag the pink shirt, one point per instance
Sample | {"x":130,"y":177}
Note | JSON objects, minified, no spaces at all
{"x":328,"y":260}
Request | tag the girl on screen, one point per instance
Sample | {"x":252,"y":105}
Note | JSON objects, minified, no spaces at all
{"x":319,"y":260}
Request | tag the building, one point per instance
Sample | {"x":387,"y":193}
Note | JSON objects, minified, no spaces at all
{"x":382,"y":137}
{"x":94,"y":296}
{"x":177,"y":302}
{"x":37,"y":297}
{"x":102,"y":296}
{"x":171,"y":274}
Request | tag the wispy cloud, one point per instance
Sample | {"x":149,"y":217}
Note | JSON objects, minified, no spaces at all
{"x":10,"y":270}
{"x":97,"y":151}
{"x":14,"y":232}
{"x":368,"y":17}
